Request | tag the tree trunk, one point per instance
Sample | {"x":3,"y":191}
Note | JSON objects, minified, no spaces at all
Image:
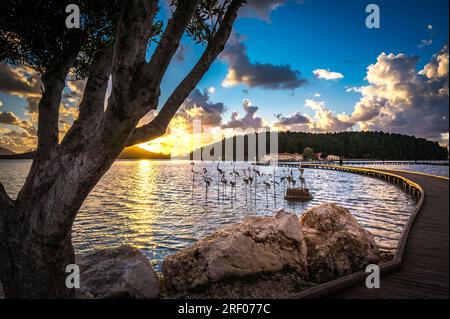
{"x":35,"y":229}
{"x":36,"y":265}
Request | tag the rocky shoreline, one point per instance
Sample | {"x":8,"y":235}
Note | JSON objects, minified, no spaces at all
{"x":262,"y":257}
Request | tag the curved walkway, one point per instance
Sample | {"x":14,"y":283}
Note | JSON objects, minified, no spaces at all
{"x":424,"y":269}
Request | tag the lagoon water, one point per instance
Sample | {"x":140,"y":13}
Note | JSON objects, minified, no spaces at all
{"x":155,"y":206}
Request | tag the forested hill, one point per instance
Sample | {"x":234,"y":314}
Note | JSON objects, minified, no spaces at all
{"x":367,"y":145}
{"x":357,"y":145}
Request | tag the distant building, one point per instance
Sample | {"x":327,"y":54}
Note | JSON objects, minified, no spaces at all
{"x":333,"y":157}
{"x":284,"y":157}
{"x":318,"y":155}
{"x":297,"y":157}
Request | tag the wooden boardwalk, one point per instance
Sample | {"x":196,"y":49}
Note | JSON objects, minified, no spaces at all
{"x":424,"y":270}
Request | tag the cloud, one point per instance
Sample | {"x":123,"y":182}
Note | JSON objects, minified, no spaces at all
{"x":19,"y":81}
{"x":264,"y":75}
{"x":9,"y":118}
{"x":17,"y":141}
{"x":327,"y":74}
{"x":294,"y":119}
{"x":198,"y":106}
{"x":401,"y":99}
{"x":323,"y":120}
{"x":425,"y":43}
{"x":262,"y":8}
{"x":180,"y":55}
{"x":25,"y":83}
{"x":249,"y":120}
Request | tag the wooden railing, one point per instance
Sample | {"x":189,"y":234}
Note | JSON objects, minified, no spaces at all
{"x":341,"y":283}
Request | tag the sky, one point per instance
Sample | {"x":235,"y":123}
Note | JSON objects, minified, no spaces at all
{"x":309,"y":65}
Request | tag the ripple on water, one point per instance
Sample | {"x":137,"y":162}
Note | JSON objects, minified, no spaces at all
{"x":151,"y":205}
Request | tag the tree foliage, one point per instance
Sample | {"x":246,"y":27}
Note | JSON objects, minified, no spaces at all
{"x":308,"y":153}
{"x":355,"y":145}
{"x":33,"y":33}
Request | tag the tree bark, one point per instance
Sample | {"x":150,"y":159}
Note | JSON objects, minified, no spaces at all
{"x":158,"y":126}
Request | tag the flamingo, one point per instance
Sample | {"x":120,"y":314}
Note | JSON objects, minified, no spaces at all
{"x":194,"y":172}
{"x":233,"y":183}
{"x":257,"y":173}
{"x":235,"y":172}
{"x":224,"y":181}
{"x":289,"y":180}
{"x":267,"y":184}
{"x":219,"y":170}
{"x":207,"y":181}
{"x":250,"y":177}
{"x":219,"y":174}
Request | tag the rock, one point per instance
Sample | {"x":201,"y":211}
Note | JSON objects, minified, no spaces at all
{"x":257,"y":245}
{"x":122,"y":272}
{"x":337,"y":244}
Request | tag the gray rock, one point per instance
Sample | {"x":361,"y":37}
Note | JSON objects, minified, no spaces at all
{"x":122,"y":272}
{"x":257,"y":245}
{"x":337,"y":244}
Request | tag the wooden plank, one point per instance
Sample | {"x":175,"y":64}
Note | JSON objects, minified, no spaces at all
{"x":420,"y":265}
{"x":424,"y":271}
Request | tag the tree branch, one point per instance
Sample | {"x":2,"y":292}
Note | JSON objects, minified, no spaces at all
{"x":96,"y":85}
{"x":133,"y":31}
{"x":168,"y":45}
{"x":159,"y":125}
{"x":48,"y":109}
{"x":5,"y":201}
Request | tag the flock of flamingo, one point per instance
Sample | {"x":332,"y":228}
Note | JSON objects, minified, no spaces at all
{"x":249,"y":177}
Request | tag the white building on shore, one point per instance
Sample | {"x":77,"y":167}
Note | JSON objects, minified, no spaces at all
{"x":284,"y":157}
{"x":332,"y":157}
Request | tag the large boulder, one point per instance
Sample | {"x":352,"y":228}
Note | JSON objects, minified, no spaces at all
{"x":337,"y":244}
{"x":122,"y":272}
{"x":258,"y":245}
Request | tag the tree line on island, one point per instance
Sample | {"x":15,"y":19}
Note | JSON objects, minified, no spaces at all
{"x":350,"y":145}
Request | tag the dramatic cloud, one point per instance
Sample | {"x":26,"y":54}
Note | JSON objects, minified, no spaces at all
{"x":17,"y":141}
{"x":19,"y":81}
{"x":262,"y":8}
{"x":294,"y":119}
{"x":323,"y":120}
{"x":267,"y":76}
{"x":9,"y":118}
{"x":25,"y":83}
{"x":327,"y":74}
{"x":400,"y":99}
{"x":249,"y":120}
{"x":198,"y":106}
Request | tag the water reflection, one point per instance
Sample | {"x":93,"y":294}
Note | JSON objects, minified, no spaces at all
{"x":157,"y":207}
